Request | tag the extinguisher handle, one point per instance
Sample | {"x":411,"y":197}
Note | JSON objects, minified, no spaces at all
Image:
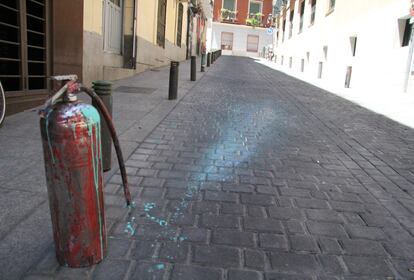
{"x":109,"y":122}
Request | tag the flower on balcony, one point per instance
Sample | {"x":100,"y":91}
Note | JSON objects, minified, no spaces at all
{"x":255,"y":20}
{"x":228,"y":15}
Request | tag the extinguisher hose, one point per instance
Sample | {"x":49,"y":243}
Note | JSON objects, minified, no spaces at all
{"x":108,"y":120}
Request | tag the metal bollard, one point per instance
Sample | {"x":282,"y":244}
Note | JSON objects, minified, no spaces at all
{"x":203,"y":62}
{"x":208,"y":59}
{"x":193,"y":68}
{"x":172,"y":92}
{"x":104,"y":90}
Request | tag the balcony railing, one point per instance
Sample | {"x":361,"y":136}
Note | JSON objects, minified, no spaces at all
{"x":228,"y":15}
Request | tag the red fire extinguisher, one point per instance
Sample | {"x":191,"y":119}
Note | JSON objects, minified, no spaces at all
{"x":70,"y":133}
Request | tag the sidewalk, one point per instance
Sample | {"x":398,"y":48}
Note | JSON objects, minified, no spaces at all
{"x":25,"y":228}
{"x":395,"y":105}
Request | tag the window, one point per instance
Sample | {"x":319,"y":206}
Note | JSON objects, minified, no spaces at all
{"x":292,"y":14}
{"x":180,"y":24}
{"x":348,"y":77}
{"x":252,"y":43}
{"x":302,"y":12}
{"x":281,"y":61}
{"x":228,"y":12}
{"x":353,"y":44}
{"x":325,"y":52}
{"x":284,"y":28}
{"x":331,"y":5}
{"x":227,"y":41}
{"x":408,"y":29}
{"x":255,"y":7}
{"x":112,"y":26}
{"x":302,"y":65}
{"x":229,"y":5}
{"x":290,"y":62}
{"x":320,"y":70}
{"x":162,"y":10}
{"x":313,"y":11}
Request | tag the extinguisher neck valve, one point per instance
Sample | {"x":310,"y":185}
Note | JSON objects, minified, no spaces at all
{"x":70,"y":97}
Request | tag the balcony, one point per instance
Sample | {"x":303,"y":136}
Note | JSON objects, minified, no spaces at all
{"x":255,"y":20}
{"x":228,"y":15}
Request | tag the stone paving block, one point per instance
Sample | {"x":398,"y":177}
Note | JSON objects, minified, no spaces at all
{"x":330,"y":246}
{"x":294,"y":263}
{"x":283,"y":276}
{"x":362,"y":247}
{"x":233,"y":238}
{"x":295,"y":192}
{"x":266,"y":190}
{"x":118,"y":248}
{"x":365,"y":232}
{"x":256,"y":211}
{"x":193,"y":272}
{"x":147,"y":270}
{"x":111,"y":269}
{"x":311,"y":203}
{"x":303,"y":243}
{"x":254,"y":258}
{"x":217,"y":256}
{"x":327,"y":229}
{"x":324,"y":215}
{"x":234,"y":274}
{"x":258,"y":199}
{"x":370,"y":266}
{"x":221,"y":196}
{"x":232,"y":208}
{"x":238,"y":188}
{"x":294,"y":226}
{"x":263,"y":225}
{"x":282,"y":213}
{"x":223,"y":221}
{"x":193,"y":234}
{"x":331,"y":265}
{"x":174,"y":252}
{"x":209,"y":207}
{"x":273,"y":241}
{"x":142,"y":250}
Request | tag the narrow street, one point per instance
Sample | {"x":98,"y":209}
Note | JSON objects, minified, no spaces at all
{"x":255,"y":175}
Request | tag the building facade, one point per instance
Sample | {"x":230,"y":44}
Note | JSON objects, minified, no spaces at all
{"x":242,"y":27}
{"x":361,"y":45}
{"x":95,"y":39}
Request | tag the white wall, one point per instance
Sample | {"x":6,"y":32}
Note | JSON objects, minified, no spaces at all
{"x":380,"y":62}
{"x":240,"y":33}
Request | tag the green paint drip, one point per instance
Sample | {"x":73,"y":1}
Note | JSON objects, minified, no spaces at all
{"x":93,"y":120}
{"x":48,"y":135}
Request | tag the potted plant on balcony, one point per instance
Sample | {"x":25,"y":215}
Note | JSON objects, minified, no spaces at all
{"x":255,"y":20}
{"x":228,"y":15}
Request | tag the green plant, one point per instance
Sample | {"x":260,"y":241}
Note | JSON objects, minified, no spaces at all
{"x":228,"y":14}
{"x":255,"y":20}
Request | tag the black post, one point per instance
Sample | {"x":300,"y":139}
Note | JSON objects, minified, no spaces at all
{"x":203,"y":62}
{"x":208,"y":59}
{"x":172,"y":92}
{"x":104,"y":90}
{"x":193,"y":68}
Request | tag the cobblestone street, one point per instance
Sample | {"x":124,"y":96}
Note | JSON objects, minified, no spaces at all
{"x":259,"y":176}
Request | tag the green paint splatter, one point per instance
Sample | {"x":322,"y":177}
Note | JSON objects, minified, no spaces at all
{"x":93,"y":121}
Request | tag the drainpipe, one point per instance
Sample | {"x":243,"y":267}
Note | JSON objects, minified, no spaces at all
{"x":134,"y":35}
{"x":188,"y":53}
{"x":410,"y":57}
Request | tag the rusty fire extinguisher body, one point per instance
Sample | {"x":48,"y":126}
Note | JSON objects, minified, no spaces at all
{"x":73,"y":162}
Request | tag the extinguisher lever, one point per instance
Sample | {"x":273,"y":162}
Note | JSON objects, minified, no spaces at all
{"x":114,"y":136}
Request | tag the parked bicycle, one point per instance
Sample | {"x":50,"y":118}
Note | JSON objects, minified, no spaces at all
{"x":2,"y":104}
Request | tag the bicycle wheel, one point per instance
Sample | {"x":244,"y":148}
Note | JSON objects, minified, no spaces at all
{"x":2,"y":104}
